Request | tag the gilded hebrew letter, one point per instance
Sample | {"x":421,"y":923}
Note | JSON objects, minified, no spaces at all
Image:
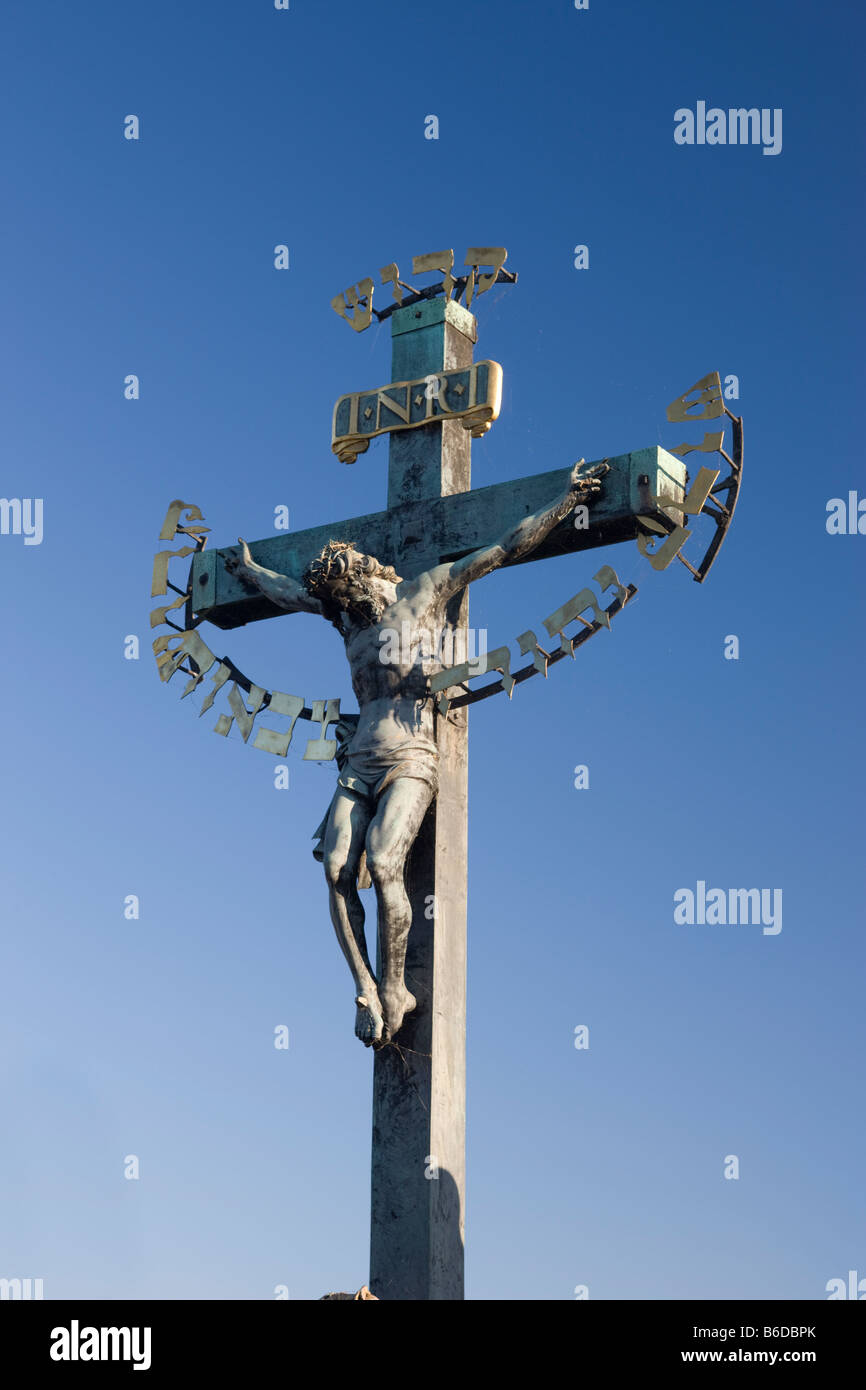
{"x":351,"y":297}
{"x":170,"y":526}
{"x":201,"y":655}
{"x":167,"y":661}
{"x":528,"y":644}
{"x":674,"y":542}
{"x":157,"y":615}
{"x":498,"y":660}
{"x":189,"y":645}
{"x":436,"y":260}
{"x":321,"y":749}
{"x":711,"y":445}
{"x":160,"y":567}
{"x":477,"y":256}
{"x":571,"y":610}
{"x":608,"y":578}
{"x":219,"y":678}
{"x":391,"y":276}
{"x":693,"y":503}
{"x":270,"y":740}
{"x":243,"y":717}
{"x":698,"y":493}
{"x":709,"y":397}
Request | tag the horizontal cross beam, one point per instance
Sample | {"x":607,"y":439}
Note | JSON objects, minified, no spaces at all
{"x":458,"y":523}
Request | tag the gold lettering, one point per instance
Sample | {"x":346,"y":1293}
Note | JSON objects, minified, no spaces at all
{"x":498,"y":660}
{"x":170,"y":527}
{"x":699,"y":491}
{"x":607,"y":578}
{"x":477,"y":256}
{"x":436,"y":260}
{"x":711,"y":445}
{"x":402,"y":412}
{"x":189,"y":645}
{"x":270,"y":740}
{"x":709,"y":397}
{"x":160,"y":567}
{"x":391,"y":276}
{"x":674,"y":542}
{"x":350,"y":298}
{"x":242,"y":716}
{"x":528,"y":644}
{"x":157,"y":615}
{"x":571,"y":610}
{"x":219,"y":679}
{"x":321,"y":749}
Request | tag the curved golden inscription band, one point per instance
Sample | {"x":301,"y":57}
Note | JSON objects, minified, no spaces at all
{"x":456,"y":677}
{"x":182,"y":649}
{"x":359,"y":298}
{"x":707,"y":495}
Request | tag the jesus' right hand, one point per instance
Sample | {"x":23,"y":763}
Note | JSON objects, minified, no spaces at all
{"x":235,"y":563}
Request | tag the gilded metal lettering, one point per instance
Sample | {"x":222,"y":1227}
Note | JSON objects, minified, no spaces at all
{"x":528,"y":644}
{"x":240,"y":715}
{"x":160,"y":567}
{"x":218,"y":679}
{"x":415,"y":403}
{"x":498,"y":660}
{"x":322,"y":749}
{"x":712,"y":444}
{"x":570,"y":611}
{"x":674,"y":542}
{"x":709,"y":398}
{"x":171,"y":526}
{"x":157,"y":615}
{"x":360,"y":303}
{"x":437,"y":260}
{"x":477,"y":256}
{"x":390,"y":275}
{"x":607,"y":578}
{"x":270,"y":740}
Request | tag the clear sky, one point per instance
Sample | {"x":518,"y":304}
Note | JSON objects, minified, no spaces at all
{"x":154,"y":1037}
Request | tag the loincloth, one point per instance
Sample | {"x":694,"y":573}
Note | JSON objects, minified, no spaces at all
{"x":368,"y":772}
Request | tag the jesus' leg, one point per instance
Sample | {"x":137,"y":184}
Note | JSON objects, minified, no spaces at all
{"x":392,"y":833}
{"x":343,"y":846}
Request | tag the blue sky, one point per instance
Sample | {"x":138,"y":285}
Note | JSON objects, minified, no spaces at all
{"x":155,"y":257}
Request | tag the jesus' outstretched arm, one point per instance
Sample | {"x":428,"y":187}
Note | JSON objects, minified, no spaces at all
{"x":584,"y":484}
{"x":281,"y":589}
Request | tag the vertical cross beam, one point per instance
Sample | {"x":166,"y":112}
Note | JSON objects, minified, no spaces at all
{"x":419,"y":1085}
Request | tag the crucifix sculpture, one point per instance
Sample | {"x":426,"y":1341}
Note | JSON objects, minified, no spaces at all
{"x":393,"y":629}
{"x":395,"y":583}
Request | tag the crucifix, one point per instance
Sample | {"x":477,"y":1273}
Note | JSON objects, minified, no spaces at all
{"x":394,"y":584}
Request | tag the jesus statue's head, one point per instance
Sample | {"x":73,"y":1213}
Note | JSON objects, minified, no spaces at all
{"x":344,"y":580}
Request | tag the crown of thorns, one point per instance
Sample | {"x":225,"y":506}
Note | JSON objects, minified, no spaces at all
{"x":335,"y":560}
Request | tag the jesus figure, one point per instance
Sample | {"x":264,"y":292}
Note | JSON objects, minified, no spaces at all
{"x":389,"y":766}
